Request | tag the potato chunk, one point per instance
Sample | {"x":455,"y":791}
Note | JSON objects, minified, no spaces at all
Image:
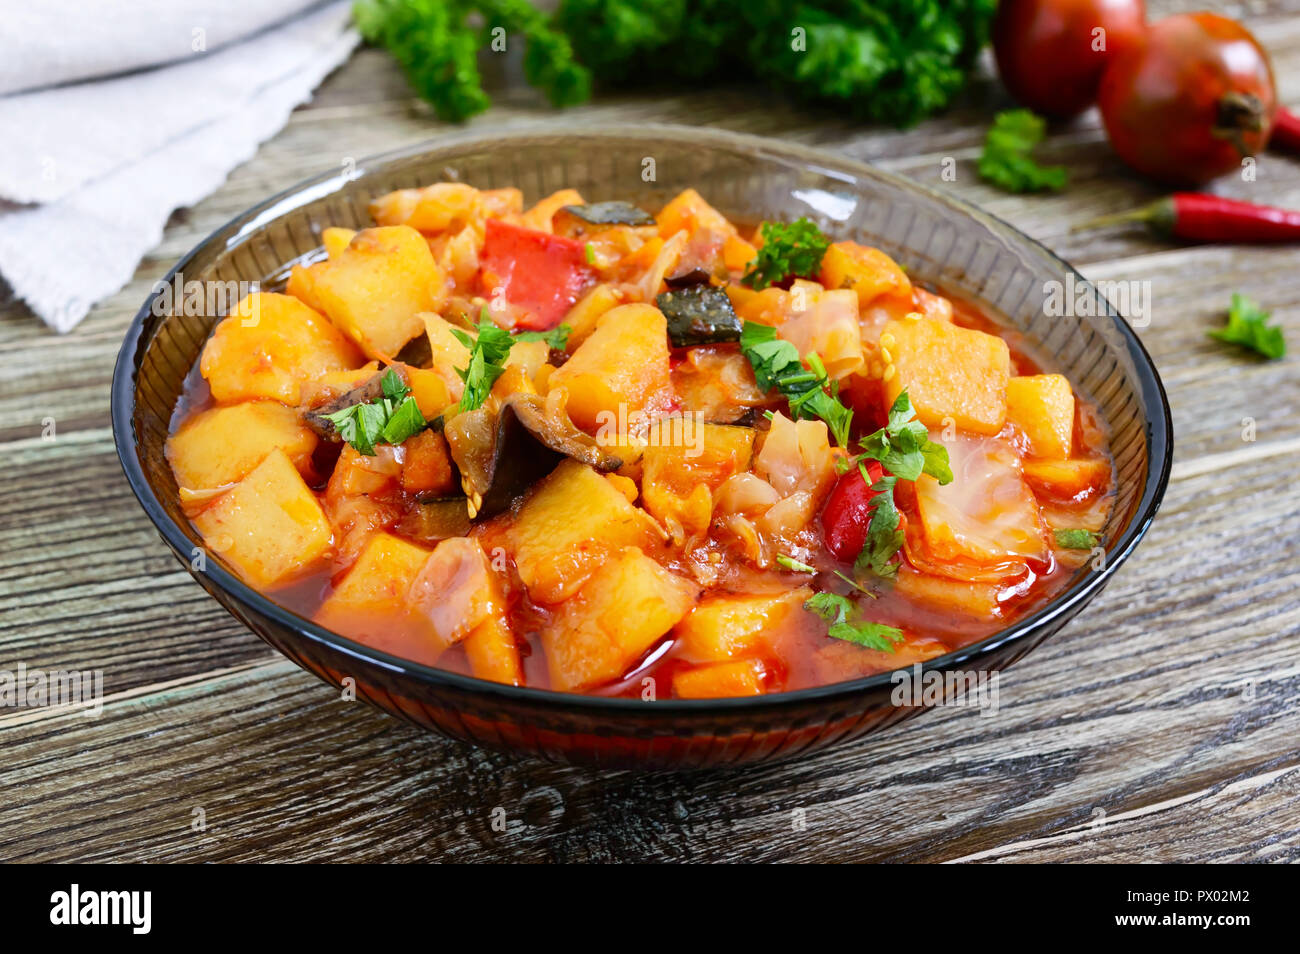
{"x":950,"y":372}
{"x":270,"y":348}
{"x":742,"y":677}
{"x":689,"y":212}
{"x":376,"y":289}
{"x":626,"y":606}
{"x":623,"y":365}
{"x":493,"y":653}
{"x":1042,"y":405}
{"x":270,"y":526}
{"x":685,"y":462}
{"x":571,"y":523}
{"x":222,"y":444}
{"x":723,"y":627}
{"x":1073,"y":479}
{"x":869,"y":272}
{"x":336,"y":240}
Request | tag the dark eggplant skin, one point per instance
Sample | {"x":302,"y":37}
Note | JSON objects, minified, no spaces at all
{"x":371,"y":389}
{"x":610,"y":213}
{"x":431,"y":519}
{"x":699,"y":314}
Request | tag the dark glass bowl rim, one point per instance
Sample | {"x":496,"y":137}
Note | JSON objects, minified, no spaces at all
{"x":1060,"y":608}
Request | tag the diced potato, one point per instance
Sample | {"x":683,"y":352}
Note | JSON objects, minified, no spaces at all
{"x":376,"y":289}
{"x":1042,"y":405}
{"x":689,"y":212}
{"x":569,"y":525}
{"x":626,"y":606}
{"x":270,"y":349}
{"x":685,"y":462}
{"x":867,"y":271}
{"x":493,"y":653}
{"x":430,"y":390}
{"x":457,"y":590}
{"x":371,"y":602}
{"x":737,"y":253}
{"x":431,"y":209}
{"x":336,"y":240}
{"x":270,"y":526}
{"x":529,"y":356}
{"x":619,"y":370}
{"x":584,"y":315}
{"x":949,"y":372}
{"x":986,"y":516}
{"x":742,"y":677}
{"x":221,"y":445}
{"x":947,"y":595}
{"x":1069,"y":479}
{"x":726,"y":626}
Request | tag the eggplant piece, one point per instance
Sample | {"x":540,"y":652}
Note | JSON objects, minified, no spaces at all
{"x":610,"y":213}
{"x":696,"y":276}
{"x":431,"y":519}
{"x":699,"y":314}
{"x":369,"y":390}
{"x":417,"y":352}
{"x":500,"y":456}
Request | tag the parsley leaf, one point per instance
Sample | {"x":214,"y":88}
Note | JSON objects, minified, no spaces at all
{"x":884,"y":531}
{"x":487,"y":355}
{"x":837,"y":610}
{"x":556,"y":339}
{"x":1075,"y":538}
{"x":790,"y":250}
{"x":904,"y":448}
{"x":1248,"y":326}
{"x":389,"y":420}
{"x":1006,"y":160}
{"x":777,"y":365}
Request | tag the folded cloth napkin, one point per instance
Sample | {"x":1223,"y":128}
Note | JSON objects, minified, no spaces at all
{"x":90,"y":172}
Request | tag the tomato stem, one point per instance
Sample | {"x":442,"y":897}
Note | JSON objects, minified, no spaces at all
{"x":1238,"y":113}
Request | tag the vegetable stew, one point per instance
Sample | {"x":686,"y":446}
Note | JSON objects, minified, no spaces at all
{"x":605,"y":449}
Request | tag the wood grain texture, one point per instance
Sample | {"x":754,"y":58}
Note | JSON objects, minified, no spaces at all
{"x":1160,"y":725}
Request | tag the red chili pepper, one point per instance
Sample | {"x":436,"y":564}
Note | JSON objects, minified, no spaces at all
{"x":1286,"y":131}
{"x":1210,"y":218}
{"x":848,"y":512}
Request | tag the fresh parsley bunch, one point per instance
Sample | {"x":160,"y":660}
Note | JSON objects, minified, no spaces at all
{"x":776,"y":364}
{"x":1248,"y":326}
{"x":790,"y":249}
{"x":1006,"y":161}
{"x":390,"y":420}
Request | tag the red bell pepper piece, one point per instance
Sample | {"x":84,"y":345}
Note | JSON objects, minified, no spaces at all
{"x":540,"y":273}
{"x":848,"y":511}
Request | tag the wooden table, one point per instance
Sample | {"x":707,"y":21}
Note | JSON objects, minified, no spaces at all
{"x":1160,"y":725}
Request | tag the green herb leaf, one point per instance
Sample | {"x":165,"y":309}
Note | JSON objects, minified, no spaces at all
{"x":904,"y":448}
{"x":884,"y":532}
{"x":361,"y":425}
{"x":790,"y":250}
{"x":487,"y":355}
{"x":1075,"y":538}
{"x":556,"y":339}
{"x":839,"y":611}
{"x":394,"y":387}
{"x":1248,"y":326}
{"x":1006,"y":161}
{"x":790,"y":563}
{"x":406,"y":421}
{"x":777,"y":365}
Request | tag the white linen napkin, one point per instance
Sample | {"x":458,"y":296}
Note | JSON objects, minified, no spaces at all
{"x":92,"y":171}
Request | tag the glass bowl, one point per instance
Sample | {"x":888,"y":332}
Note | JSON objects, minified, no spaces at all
{"x":938,"y":239}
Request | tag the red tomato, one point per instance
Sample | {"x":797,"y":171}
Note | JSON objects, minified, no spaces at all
{"x":542,"y":274}
{"x":1191,"y":100}
{"x":848,"y":512}
{"x":1051,"y":53}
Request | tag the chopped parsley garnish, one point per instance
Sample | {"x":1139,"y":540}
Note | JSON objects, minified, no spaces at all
{"x":487,"y":355}
{"x":390,"y":420}
{"x":556,"y":339}
{"x":1075,"y":538}
{"x":839,"y":612}
{"x":904,"y":449}
{"x":790,"y":250}
{"x":1248,"y":326}
{"x":777,"y":365}
{"x":1006,"y":161}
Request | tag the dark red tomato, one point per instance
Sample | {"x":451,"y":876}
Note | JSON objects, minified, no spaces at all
{"x":1051,"y":53}
{"x":848,"y":512}
{"x":540,"y":273}
{"x":1189,"y":101}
